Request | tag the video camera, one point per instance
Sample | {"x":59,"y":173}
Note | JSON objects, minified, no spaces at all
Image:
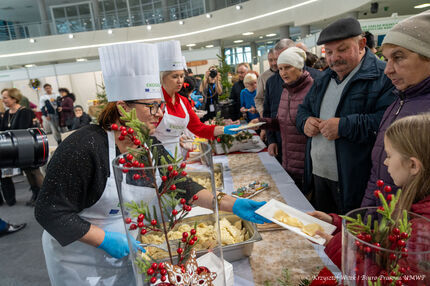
{"x":26,"y":148}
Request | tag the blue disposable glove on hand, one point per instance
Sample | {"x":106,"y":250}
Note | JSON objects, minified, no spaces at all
{"x":116,"y":245}
{"x":245,"y":209}
{"x":227,"y":129}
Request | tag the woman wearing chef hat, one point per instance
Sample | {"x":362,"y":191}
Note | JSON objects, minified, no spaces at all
{"x":84,"y":241}
{"x":179,"y":115}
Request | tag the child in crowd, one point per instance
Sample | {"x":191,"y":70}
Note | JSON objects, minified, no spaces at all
{"x":408,"y":161}
{"x":187,"y":90}
{"x":247,"y":95}
{"x":81,"y":118}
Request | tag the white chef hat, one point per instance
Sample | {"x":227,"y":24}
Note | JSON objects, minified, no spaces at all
{"x":184,"y":63}
{"x":130,"y":71}
{"x":170,"y":56}
{"x":293,"y":56}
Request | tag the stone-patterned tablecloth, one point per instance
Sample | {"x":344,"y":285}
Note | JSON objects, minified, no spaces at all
{"x":278,"y":250}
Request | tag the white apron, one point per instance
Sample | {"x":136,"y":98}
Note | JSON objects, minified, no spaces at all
{"x":171,"y":128}
{"x":81,"y":264}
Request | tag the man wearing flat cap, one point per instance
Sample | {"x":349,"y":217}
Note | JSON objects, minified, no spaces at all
{"x":340,"y":116}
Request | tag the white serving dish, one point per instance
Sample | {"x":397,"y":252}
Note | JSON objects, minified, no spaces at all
{"x":270,"y":208}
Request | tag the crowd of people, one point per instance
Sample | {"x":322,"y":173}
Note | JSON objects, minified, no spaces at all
{"x":336,"y":124}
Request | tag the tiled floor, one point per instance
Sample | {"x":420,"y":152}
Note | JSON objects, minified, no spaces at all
{"x":21,"y":256}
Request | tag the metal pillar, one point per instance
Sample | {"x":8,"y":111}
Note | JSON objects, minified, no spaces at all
{"x":96,"y":14}
{"x":165,"y":9}
{"x":43,"y":18}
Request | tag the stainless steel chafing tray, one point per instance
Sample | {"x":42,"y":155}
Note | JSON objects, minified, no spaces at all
{"x":218,"y":172}
{"x":231,"y":252}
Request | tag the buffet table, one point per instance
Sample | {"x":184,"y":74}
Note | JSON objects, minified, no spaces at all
{"x":281,"y":249}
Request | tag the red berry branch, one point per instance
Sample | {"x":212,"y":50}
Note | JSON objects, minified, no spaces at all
{"x":138,"y":163}
{"x":385,"y":233}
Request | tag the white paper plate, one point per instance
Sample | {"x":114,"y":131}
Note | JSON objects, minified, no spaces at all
{"x":248,"y":126}
{"x":270,"y":208}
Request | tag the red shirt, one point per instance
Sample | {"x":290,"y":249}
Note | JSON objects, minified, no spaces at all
{"x":195,"y":125}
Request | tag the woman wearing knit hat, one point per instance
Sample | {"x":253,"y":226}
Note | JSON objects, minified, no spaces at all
{"x":406,"y":47}
{"x":297,"y":83}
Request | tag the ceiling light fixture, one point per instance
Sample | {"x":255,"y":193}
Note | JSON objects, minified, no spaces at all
{"x":162,"y":38}
{"x":30,"y":65}
{"x":110,"y":31}
{"x":148,"y":27}
{"x":208,"y":15}
{"x":191,"y":45}
{"x":238,"y":41}
{"x":82,"y":60}
{"x":248,"y":33}
{"x":181,"y":22}
{"x":209,"y":46}
{"x":238,"y":7}
{"x":261,"y":37}
{"x":71,"y":36}
{"x":424,"y":5}
{"x":270,"y":35}
{"x":32,"y":41}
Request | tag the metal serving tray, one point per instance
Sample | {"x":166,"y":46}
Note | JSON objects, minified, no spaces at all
{"x":218,"y":169}
{"x":231,"y":252}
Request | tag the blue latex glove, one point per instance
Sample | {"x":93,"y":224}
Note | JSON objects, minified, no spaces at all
{"x":245,"y":209}
{"x":227,"y":129}
{"x":116,"y":245}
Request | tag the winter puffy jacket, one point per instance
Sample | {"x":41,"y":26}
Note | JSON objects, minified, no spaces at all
{"x":363,"y":102}
{"x":293,"y":142}
{"x":413,"y":100}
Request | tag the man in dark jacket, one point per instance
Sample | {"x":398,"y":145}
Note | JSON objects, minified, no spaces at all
{"x":340,"y":115}
{"x":241,"y":70}
{"x":409,"y":41}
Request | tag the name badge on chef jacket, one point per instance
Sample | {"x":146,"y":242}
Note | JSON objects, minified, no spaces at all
{"x":211,"y":108}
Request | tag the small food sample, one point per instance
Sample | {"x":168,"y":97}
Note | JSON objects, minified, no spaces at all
{"x":206,"y":233}
{"x":311,"y":229}
{"x":285,"y":218}
{"x":251,"y":190}
{"x":280,"y":215}
{"x":293,"y":222}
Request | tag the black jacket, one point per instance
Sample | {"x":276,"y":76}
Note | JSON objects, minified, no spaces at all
{"x":75,"y":180}
{"x":235,"y":96}
{"x":22,"y":119}
{"x":79,"y":122}
{"x":272,"y":97}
